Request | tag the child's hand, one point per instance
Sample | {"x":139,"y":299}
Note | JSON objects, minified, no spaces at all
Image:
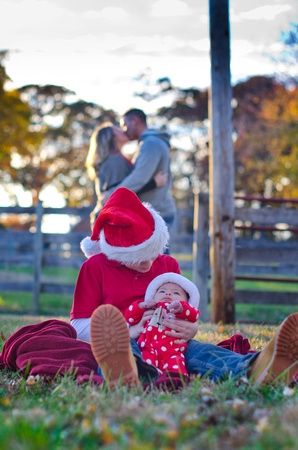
{"x":175,"y":307}
{"x":150,"y":303}
{"x":142,"y":305}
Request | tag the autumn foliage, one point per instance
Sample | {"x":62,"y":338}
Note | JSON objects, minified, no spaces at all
{"x":266,"y":144}
{"x":45,"y":133}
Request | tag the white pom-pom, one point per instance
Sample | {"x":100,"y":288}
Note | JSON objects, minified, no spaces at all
{"x":89,"y":247}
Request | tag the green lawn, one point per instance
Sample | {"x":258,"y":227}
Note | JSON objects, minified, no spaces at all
{"x":60,"y":414}
{"x":57,"y":304}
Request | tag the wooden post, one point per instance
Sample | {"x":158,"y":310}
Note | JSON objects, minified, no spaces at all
{"x":221,"y":168}
{"x":201,"y":251}
{"x":38,"y":254}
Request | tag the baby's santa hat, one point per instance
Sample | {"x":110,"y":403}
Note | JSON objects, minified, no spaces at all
{"x":127,"y":230}
{"x":171,"y":277}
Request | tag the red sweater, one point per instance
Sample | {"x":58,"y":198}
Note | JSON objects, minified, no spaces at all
{"x":102,"y":281}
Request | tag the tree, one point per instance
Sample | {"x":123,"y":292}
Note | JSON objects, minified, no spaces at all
{"x":281,"y":136}
{"x":17,"y":137}
{"x":67,"y":126}
{"x":265,"y":123}
{"x":288,"y":57}
{"x":186,"y":118}
{"x":265,"y":135}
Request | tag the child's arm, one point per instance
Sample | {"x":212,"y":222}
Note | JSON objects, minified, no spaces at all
{"x":148,"y":304}
{"x":134,"y":313}
{"x":188,"y":313}
{"x":175,"y":307}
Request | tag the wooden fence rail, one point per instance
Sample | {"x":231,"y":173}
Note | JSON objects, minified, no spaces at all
{"x":256,"y":256}
{"x":261,"y":258}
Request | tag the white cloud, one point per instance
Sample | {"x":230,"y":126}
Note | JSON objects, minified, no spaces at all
{"x":170,"y":8}
{"x":109,"y":13}
{"x":97,"y":47}
{"x":240,"y":47}
{"x":30,"y":15}
{"x":267,"y":12}
{"x":202,"y":45}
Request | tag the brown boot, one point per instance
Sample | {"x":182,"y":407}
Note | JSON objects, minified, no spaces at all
{"x":110,"y":344}
{"x":279,"y":360}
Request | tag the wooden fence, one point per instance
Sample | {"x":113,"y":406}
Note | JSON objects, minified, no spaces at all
{"x":258,"y":256}
{"x":262,"y":259}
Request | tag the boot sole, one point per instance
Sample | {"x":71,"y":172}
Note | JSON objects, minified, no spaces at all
{"x":281,"y":365}
{"x":110,"y":344}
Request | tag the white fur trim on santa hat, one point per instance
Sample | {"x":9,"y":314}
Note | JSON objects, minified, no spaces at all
{"x":89,"y":247}
{"x":147,"y":250}
{"x":171,"y":277}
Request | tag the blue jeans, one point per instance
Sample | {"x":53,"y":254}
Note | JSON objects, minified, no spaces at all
{"x":215,"y":362}
{"x":201,"y":358}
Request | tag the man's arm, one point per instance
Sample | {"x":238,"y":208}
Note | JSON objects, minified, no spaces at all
{"x":145,"y":168}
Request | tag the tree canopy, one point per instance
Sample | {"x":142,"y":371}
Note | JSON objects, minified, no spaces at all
{"x":18,"y":139}
{"x":46,"y":132}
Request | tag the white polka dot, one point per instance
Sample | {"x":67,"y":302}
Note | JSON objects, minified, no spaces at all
{"x":130,"y":308}
{"x":165,"y":366}
{"x":149,"y":328}
{"x":164,"y":349}
{"x":130,"y":320}
{"x":173,"y":356}
{"x":164,"y":336}
{"x":197,"y":316}
{"x":171,"y":343}
{"x":187,"y":312}
{"x":143,"y":344}
{"x":176,"y":367}
{"x":182,"y":349}
{"x":183,"y":363}
{"x":155,"y":337}
{"x":177,"y":349}
{"x":148,"y":361}
{"x":156,"y":363}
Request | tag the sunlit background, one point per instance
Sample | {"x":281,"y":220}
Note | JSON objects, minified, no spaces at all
{"x":107,"y":50}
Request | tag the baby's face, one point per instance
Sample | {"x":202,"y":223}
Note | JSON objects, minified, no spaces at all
{"x":168,"y":292}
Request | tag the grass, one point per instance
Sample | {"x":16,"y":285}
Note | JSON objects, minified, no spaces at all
{"x":21,"y":303}
{"x":228,"y":415}
{"x":63,"y":274}
{"x":59,"y":304}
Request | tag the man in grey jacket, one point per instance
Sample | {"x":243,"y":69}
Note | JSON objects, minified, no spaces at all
{"x":153,"y":155}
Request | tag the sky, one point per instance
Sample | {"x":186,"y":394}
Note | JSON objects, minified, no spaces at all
{"x":98,"y":48}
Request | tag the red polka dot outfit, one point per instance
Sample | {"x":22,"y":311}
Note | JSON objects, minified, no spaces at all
{"x":157,"y":348}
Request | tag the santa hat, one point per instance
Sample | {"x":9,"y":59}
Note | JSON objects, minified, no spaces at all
{"x":171,"y":277}
{"x":127,"y":230}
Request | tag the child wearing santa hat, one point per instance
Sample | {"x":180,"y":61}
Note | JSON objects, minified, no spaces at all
{"x":125,"y":253}
{"x":169,"y":294}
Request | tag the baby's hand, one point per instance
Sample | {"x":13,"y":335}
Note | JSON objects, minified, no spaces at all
{"x":142,"y":305}
{"x":150,"y":303}
{"x":175,"y":307}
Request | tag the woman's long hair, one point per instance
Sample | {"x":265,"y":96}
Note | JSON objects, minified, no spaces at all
{"x":102,"y":142}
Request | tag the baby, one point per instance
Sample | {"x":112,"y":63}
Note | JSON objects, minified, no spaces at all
{"x":170,"y":295}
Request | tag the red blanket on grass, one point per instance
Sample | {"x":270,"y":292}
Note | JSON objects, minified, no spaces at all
{"x":48,"y":348}
{"x":51,"y":347}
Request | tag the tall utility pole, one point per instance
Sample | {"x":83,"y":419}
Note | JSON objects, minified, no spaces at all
{"x":221,"y":168}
